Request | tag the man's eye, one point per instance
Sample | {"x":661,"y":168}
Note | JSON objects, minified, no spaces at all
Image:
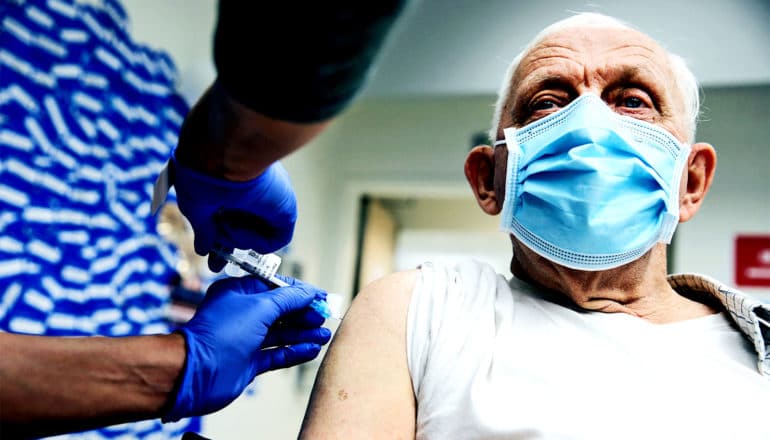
{"x":545,"y":104}
{"x":632,"y":102}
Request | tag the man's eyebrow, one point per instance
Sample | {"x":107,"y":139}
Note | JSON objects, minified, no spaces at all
{"x":642,"y":77}
{"x":542,"y":80}
{"x":631,"y":74}
{"x":534,"y":83}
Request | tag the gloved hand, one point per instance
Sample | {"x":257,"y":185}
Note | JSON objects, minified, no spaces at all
{"x":258,"y":214}
{"x":236,"y":334}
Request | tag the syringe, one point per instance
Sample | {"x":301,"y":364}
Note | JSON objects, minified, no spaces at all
{"x":266,"y":266}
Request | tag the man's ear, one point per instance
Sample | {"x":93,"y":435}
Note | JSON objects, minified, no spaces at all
{"x":701,"y":166}
{"x":480,"y":172}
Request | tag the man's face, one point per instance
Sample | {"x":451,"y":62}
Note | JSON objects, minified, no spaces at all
{"x":627,"y":69}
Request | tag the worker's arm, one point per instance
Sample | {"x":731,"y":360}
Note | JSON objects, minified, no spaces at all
{"x":363,"y":388}
{"x":284,"y":71}
{"x":223,"y":138}
{"x":52,"y":385}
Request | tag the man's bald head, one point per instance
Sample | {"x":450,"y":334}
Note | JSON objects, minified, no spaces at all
{"x":586,"y":33}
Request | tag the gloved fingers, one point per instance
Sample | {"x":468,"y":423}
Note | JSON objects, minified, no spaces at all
{"x":237,"y":228}
{"x":234,"y":287}
{"x":254,"y":284}
{"x":289,"y":299}
{"x":320,"y":293}
{"x":308,"y":317}
{"x":216,"y":263}
{"x":203,"y":239}
{"x":283,"y":357}
{"x":249,"y":285}
{"x":287,"y":279}
{"x":257,"y":234}
{"x":290,"y":336}
{"x":271,"y":305}
{"x":305,"y":318}
{"x":289,"y":304}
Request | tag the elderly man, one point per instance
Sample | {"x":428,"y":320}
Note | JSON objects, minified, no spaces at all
{"x":593,"y":166}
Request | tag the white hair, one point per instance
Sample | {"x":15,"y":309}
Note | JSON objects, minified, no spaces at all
{"x":683,"y":76}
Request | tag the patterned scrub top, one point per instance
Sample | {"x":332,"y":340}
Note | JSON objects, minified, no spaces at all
{"x":87,"y":119}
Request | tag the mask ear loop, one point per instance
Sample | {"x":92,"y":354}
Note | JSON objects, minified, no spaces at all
{"x":511,"y":177}
{"x":671,"y":219}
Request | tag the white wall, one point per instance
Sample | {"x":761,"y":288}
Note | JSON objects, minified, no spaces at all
{"x":737,"y":123}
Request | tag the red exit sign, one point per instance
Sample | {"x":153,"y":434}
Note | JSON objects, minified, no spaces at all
{"x":752,"y":260}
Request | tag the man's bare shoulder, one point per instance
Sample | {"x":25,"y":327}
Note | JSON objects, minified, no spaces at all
{"x":385,"y":299}
{"x":363,"y":389}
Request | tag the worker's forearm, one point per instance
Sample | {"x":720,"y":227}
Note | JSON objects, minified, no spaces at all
{"x":51,"y":385}
{"x":223,"y":138}
{"x":282,"y":75}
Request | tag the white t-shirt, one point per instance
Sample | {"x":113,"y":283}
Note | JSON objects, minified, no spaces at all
{"x":493,"y":359}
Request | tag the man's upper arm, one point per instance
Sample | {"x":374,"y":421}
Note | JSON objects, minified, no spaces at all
{"x":363,"y":388}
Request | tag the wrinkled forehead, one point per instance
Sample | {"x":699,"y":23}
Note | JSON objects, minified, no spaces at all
{"x":588,"y":53}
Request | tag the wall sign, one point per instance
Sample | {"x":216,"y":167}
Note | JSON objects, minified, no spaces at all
{"x":752,"y":260}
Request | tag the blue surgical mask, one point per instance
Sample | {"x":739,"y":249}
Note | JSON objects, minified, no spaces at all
{"x":590,"y":189}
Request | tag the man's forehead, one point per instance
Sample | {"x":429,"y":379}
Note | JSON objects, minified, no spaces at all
{"x":587,"y":35}
{"x":607,"y":45}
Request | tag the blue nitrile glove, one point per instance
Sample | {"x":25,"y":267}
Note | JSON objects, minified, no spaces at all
{"x":235,"y":335}
{"x":258,"y":214}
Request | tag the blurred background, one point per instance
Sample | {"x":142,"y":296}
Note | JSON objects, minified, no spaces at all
{"x":384,"y":189}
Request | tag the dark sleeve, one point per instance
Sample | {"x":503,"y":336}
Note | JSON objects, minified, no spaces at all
{"x":299,"y":61}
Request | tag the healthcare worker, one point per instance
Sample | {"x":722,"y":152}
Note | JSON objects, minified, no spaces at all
{"x":88,"y":118}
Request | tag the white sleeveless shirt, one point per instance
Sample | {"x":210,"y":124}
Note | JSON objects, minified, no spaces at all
{"x":493,"y":359}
